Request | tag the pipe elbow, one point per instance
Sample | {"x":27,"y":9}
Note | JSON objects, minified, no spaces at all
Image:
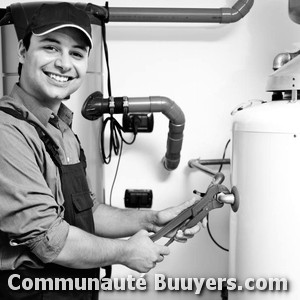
{"x":176,"y":126}
{"x":237,"y":12}
{"x":169,"y":108}
{"x":283,"y":58}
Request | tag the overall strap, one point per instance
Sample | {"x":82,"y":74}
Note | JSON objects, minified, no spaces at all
{"x":50,"y":145}
{"x":82,"y":157}
{"x":13,"y":112}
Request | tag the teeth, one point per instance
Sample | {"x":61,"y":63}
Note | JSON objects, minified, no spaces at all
{"x":59,"y":78}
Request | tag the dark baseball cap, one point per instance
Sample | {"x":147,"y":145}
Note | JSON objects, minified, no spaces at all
{"x":53,"y":16}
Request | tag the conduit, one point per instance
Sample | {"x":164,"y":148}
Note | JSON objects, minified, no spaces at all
{"x":95,"y":106}
{"x":147,"y":14}
{"x":181,"y":15}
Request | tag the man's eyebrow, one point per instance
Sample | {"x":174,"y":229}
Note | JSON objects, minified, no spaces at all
{"x":52,"y":40}
{"x":47,"y":39}
{"x":83,"y":48}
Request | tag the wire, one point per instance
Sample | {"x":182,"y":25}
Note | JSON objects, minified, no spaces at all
{"x":224,"y":153}
{"x":208,"y":228}
{"x":115,"y":139}
{"x":115,"y":177}
{"x":106,"y":58}
{"x":209,"y":232}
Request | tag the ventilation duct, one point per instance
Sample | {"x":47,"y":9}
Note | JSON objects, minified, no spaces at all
{"x":184,"y":15}
{"x":95,"y":106}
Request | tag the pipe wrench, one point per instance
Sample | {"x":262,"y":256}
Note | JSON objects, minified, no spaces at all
{"x":215,"y":197}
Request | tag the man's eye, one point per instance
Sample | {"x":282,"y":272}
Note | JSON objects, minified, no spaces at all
{"x":50,"y":48}
{"x":77,"y":55}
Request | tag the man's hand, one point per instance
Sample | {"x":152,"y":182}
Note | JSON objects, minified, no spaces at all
{"x":141,"y":254}
{"x":166,"y":215}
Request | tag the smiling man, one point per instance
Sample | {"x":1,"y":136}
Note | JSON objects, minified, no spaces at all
{"x":55,"y":65}
{"x":50,"y":226}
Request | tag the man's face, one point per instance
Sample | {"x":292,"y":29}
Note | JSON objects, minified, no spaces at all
{"x":54,"y":65}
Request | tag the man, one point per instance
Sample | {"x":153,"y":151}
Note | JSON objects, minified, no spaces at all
{"x":49,"y":225}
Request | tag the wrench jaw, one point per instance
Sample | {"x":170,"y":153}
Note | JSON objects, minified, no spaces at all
{"x":215,"y":197}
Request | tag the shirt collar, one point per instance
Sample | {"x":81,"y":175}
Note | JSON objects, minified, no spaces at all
{"x":43,"y":114}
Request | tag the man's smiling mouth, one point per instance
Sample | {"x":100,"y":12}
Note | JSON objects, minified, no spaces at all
{"x":59,"y":78}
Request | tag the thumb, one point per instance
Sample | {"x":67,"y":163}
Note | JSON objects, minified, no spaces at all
{"x":164,"y":250}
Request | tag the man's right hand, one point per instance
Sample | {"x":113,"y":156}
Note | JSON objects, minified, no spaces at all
{"x":141,"y":254}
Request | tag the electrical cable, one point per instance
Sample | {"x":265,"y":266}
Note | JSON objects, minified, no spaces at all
{"x":116,"y":138}
{"x":224,"y":153}
{"x":116,"y":173}
{"x":103,"y":27}
{"x":210,"y":235}
{"x":208,"y":228}
{"x":115,"y":128}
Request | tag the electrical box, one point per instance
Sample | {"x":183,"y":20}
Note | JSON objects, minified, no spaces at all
{"x":138,"y":122}
{"x":138,"y":198}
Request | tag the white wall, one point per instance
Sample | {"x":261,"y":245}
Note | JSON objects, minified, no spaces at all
{"x":207,"y":69}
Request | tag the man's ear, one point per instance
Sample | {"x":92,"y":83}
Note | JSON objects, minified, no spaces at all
{"x":21,"y":52}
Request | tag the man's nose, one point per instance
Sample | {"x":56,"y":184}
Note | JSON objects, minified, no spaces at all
{"x":63,"y":62}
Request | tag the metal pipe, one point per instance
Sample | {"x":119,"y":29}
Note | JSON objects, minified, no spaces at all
{"x":226,"y":198}
{"x":283,"y":58}
{"x":184,"y":15}
{"x":224,"y":161}
{"x":147,"y":14}
{"x":95,"y":106}
{"x":218,"y":177}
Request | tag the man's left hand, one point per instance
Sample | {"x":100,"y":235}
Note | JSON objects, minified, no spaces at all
{"x":166,"y":215}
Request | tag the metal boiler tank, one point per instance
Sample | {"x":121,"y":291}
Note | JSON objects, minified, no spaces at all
{"x":87,"y":131}
{"x":264,"y":233}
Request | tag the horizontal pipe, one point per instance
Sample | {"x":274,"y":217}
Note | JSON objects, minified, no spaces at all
{"x":138,"y":14}
{"x":224,"y":161}
{"x":218,"y":177}
{"x":181,"y":15}
{"x":157,"y":104}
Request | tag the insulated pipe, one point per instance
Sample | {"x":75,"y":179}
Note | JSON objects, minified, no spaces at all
{"x":187,"y":15}
{"x":95,"y":106}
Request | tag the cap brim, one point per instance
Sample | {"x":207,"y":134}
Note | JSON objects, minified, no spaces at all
{"x":37,"y":33}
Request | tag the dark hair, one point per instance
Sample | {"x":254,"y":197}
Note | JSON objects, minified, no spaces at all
{"x":26,"y":43}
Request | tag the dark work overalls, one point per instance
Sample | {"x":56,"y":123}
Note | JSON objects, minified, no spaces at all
{"x":78,"y":212}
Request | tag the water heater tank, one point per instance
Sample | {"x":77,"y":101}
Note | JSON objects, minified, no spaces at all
{"x":264,"y":233}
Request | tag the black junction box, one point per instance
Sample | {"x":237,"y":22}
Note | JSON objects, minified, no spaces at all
{"x":138,"y":198}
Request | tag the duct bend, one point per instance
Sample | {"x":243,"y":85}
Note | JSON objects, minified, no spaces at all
{"x":238,"y":11}
{"x":283,"y":58}
{"x":176,"y":124}
{"x":95,"y":106}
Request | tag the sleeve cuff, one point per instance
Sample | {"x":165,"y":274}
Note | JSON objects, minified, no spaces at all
{"x":49,"y":246}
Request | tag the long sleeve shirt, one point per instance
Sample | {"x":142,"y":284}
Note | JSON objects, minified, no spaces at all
{"x":32,"y":226}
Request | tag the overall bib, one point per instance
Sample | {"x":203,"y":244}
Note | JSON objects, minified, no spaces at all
{"x":78,"y":212}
